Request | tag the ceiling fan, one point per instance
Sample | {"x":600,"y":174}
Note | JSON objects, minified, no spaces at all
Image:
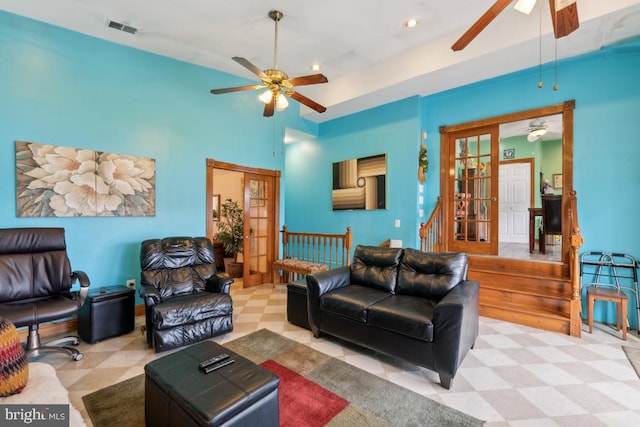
{"x":564,"y":15}
{"x":276,"y":81}
{"x":537,"y":129}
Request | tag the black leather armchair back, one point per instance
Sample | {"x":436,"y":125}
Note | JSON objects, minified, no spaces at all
{"x":177,"y":265}
{"x":36,"y":280}
{"x":185,"y":300}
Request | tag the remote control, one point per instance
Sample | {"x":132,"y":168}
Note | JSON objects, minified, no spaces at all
{"x":213,"y":360}
{"x":218,"y":365}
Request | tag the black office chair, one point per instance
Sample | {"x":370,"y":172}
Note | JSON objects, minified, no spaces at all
{"x":551,"y":223}
{"x":35,"y":284}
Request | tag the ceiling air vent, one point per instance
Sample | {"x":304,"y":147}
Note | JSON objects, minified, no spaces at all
{"x":122,"y":27}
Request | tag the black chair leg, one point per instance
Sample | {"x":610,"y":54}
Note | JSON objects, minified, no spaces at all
{"x":35,"y":348}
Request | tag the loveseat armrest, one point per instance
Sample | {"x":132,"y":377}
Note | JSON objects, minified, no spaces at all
{"x":219,"y":284}
{"x":456,"y":323}
{"x":319,"y":284}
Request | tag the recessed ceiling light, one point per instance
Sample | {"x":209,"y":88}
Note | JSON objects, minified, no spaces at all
{"x":316,"y":67}
{"x":411,"y":23}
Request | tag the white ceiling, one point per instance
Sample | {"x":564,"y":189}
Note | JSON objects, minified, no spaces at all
{"x":366,"y":53}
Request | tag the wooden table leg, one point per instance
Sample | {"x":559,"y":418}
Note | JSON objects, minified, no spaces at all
{"x":623,"y":318}
{"x":590,"y":304}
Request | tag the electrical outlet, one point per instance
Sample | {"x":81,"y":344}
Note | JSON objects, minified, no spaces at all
{"x":131,"y":283}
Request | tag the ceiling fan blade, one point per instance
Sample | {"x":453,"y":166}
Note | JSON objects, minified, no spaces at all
{"x":480,"y":24}
{"x":565,"y":19}
{"x":270,"y":107}
{"x":249,"y":66}
{"x":308,"y":80}
{"x":235,"y":89}
{"x":306,"y":101}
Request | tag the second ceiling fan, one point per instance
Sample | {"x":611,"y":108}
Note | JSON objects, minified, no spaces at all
{"x":277,"y":82}
{"x":564,"y":16}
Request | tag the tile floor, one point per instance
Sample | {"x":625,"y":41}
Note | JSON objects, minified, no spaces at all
{"x":515,"y":375}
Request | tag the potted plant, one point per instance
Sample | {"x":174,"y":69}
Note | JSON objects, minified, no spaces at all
{"x":231,"y":234}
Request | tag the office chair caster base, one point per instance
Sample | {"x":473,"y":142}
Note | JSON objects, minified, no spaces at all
{"x":34,"y":348}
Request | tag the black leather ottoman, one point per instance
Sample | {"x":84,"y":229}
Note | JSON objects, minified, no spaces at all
{"x":177,"y":393}
{"x":297,"y":303}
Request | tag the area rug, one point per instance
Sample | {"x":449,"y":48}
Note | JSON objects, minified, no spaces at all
{"x":308,"y":377}
{"x":633,"y":354}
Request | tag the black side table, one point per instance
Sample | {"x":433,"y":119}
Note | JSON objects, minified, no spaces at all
{"x":107,"y":312}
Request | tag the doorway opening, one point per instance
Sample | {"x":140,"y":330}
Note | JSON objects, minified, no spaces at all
{"x":257,"y":192}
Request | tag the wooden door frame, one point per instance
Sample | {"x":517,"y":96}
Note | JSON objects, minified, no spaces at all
{"x":276,"y":174}
{"x":566,"y":109}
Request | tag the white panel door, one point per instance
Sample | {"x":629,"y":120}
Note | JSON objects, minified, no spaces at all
{"x":515,"y":196}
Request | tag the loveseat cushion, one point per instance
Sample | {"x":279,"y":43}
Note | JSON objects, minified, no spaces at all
{"x":375,"y":267}
{"x":404,"y":314}
{"x":189,"y":309}
{"x":430,"y":275}
{"x":352,"y":301}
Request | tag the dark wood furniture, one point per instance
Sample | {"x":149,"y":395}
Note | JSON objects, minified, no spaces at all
{"x":533,"y":213}
{"x":551,"y":224}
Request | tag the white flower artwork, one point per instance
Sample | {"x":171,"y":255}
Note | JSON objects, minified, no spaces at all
{"x":56,"y":181}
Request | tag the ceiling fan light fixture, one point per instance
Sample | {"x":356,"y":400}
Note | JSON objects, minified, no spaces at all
{"x":525,"y":6}
{"x":281,"y":102}
{"x":266,"y":96}
{"x":536,"y":134}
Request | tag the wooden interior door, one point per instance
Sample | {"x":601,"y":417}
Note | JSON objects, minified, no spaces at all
{"x":258,"y":208}
{"x":259,"y":231}
{"x":515,"y":198}
{"x":472,"y":199}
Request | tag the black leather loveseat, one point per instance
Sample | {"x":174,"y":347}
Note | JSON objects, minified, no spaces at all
{"x":413,"y":305}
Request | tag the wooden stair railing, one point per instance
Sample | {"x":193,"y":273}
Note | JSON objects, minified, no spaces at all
{"x":431,"y":232}
{"x":575,"y":242}
{"x":304,"y":253}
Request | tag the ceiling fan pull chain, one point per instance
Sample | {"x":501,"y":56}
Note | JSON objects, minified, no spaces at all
{"x":555,"y":86}
{"x":540,"y":84}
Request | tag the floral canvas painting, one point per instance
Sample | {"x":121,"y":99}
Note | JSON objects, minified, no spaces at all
{"x":56,"y":181}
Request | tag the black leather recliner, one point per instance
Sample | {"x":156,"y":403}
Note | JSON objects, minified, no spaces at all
{"x":185,"y":300}
{"x":35,"y":284}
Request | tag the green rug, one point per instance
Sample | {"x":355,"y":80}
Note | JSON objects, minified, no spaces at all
{"x":373,"y":401}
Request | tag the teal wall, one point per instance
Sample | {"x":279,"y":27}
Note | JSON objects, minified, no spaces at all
{"x":606,"y":88}
{"x":60,"y":87}
{"x":63,"y":88}
{"x":392,"y":129}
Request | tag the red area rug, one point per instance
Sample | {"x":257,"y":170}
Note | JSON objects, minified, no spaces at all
{"x":303,"y":402}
